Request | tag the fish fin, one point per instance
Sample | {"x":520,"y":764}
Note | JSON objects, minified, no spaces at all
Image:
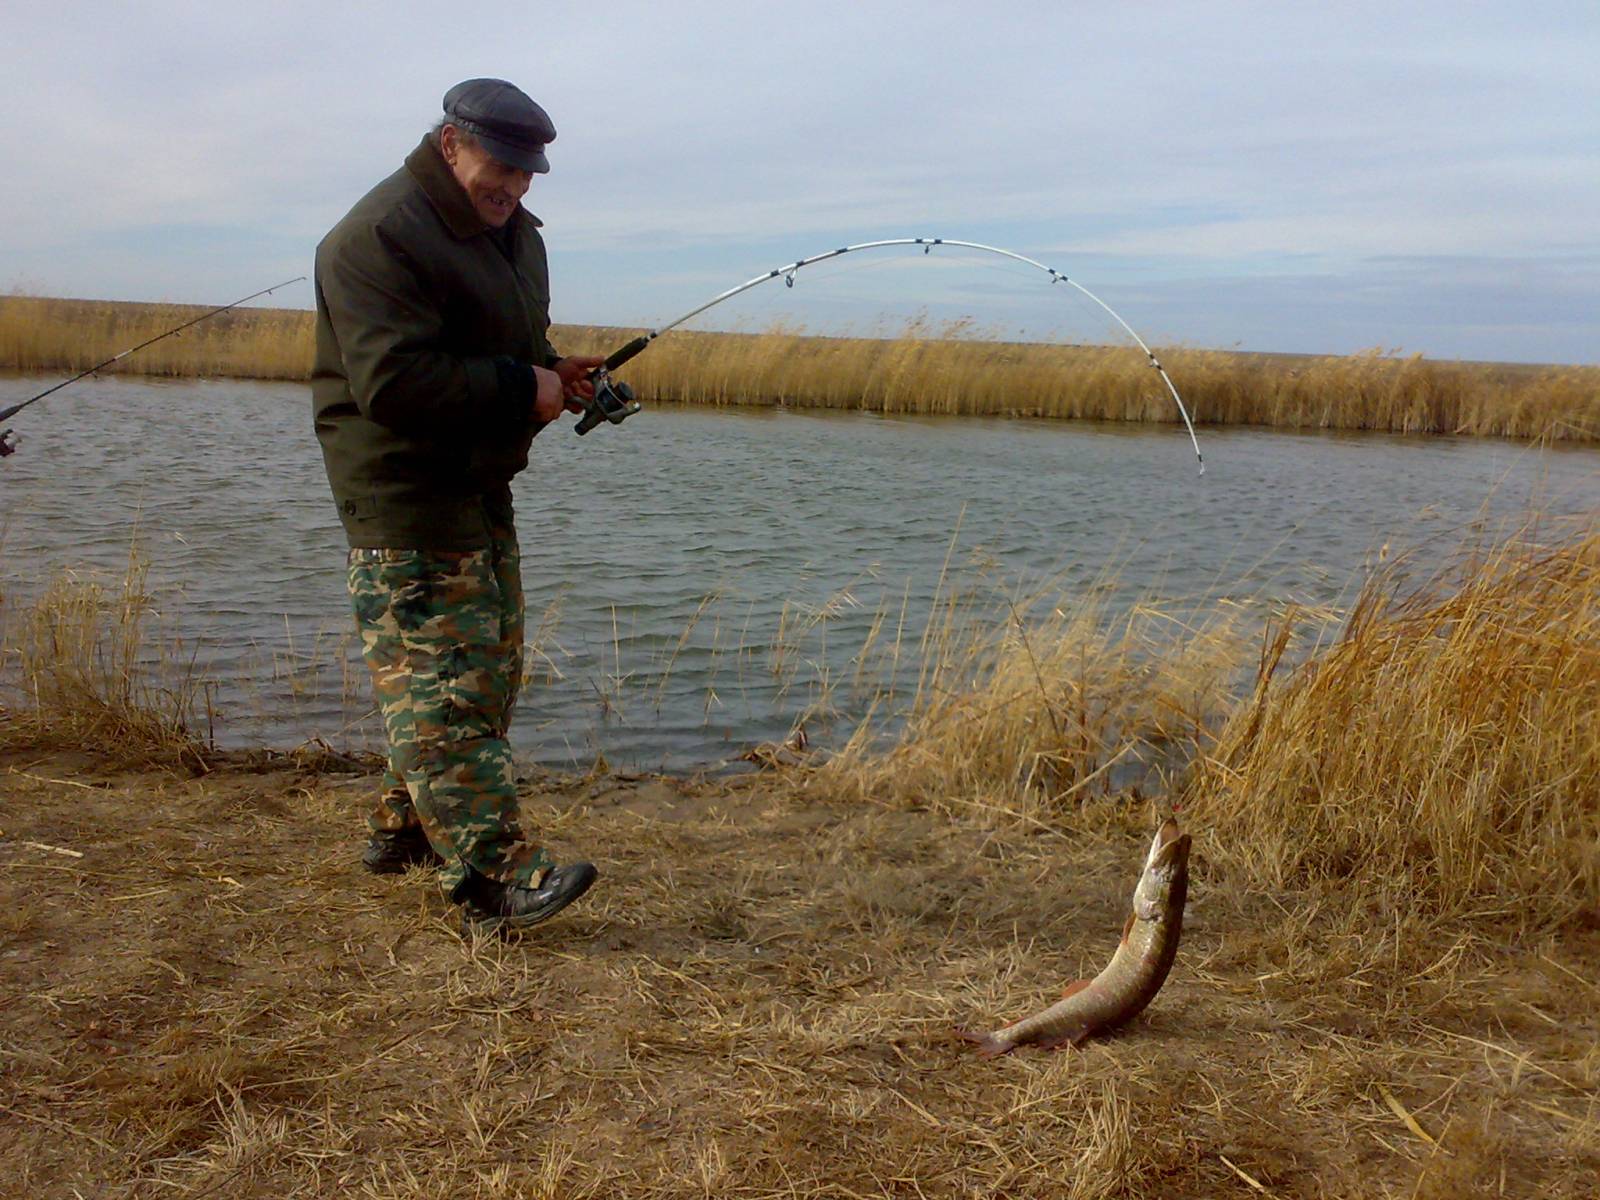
{"x":1076,"y":986}
{"x":989,"y":1046}
{"x":1073,"y":1036}
{"x":1127,"y":927}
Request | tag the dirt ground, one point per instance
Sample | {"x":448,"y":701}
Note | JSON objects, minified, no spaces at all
{"x":204,"y":995}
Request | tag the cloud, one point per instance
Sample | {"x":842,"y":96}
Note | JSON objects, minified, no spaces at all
{"x":1238,"y":145}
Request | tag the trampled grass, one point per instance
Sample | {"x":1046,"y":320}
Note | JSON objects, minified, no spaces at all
{"x":938,"y":369}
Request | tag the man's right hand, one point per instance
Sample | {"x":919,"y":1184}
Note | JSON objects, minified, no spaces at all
{"x":549,"y":401}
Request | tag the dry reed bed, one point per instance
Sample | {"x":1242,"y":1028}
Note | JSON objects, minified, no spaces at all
{"x":1055,"y":706}
{"x":1435,"y":750}
{"x":927,"y":369}
{"x":1444,"y":753}
{"x":39,"y":334}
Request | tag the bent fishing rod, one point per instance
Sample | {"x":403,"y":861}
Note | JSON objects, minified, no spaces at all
{"x":7,"y":447}
{"x":614,"y":402}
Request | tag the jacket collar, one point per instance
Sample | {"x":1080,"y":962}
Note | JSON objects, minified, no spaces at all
{"x":449,"y":198}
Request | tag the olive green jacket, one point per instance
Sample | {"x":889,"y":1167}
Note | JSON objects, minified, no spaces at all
{"x":428,"y":324}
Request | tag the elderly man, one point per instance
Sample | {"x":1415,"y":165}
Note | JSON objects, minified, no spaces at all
{"x":433,"y":374}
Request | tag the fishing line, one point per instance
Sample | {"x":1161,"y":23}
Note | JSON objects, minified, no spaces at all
{"x":789,"y":270}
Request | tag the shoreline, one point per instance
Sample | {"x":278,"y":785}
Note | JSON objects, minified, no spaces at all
{"x":1385,"y":983}
{"x":759,"y":993}
{"x":926,"y":369}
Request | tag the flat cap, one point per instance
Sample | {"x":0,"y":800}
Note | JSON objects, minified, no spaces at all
{"x":500,"y":115}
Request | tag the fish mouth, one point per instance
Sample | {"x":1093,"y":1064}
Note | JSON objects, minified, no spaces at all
{"x":1170,"y":847}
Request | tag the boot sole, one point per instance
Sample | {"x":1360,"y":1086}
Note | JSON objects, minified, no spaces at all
{"x":485,"y":923}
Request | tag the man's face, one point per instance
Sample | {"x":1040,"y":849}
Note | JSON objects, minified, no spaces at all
{"x":493,"y":187}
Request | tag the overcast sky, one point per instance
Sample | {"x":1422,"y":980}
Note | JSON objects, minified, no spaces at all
{"x":1324,"y":178}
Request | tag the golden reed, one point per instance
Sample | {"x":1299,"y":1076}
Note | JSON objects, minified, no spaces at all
{"x":927,"y":369}
{"x":1442,"y":752}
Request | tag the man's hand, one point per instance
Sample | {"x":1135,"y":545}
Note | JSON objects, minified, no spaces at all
{"x":547,"y":400}
{"x":576,"y":385}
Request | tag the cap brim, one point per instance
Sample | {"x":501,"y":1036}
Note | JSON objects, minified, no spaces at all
{"x":520,"y":157}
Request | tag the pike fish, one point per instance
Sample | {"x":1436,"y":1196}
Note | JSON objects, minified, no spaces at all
{"x":1136,"y":971}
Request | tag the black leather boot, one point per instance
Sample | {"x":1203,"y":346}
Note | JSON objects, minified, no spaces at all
{"x":490,"y":906}
{"x":389,"y":853}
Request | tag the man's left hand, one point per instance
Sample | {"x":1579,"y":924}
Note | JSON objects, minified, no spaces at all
{"x":576,"y":385}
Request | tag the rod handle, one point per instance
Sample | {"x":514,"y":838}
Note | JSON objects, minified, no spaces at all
{"x":623,"y":354}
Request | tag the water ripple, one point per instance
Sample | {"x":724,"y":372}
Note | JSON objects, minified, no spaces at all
{"x":801,"y":528}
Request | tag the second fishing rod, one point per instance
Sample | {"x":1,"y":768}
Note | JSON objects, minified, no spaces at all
{"x":8,"y":443}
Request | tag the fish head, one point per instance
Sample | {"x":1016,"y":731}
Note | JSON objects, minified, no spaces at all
{"x":1165,"y":875}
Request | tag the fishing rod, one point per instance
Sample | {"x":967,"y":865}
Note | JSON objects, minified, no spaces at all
{"x":8,"y":447}
{"x":614,"y":401}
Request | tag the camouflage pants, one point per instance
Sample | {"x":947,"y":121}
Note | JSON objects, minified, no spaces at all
{"x":441,"y":632}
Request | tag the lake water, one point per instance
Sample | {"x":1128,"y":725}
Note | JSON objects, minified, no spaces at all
{"x":695,"y":577}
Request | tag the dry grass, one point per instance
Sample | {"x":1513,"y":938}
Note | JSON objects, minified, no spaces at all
{"x":38,"y":334}
{"x":946,"y":370}
{"x":1387,"y":985}
{"x":1444,"y":754}
{"x":1056,"y":704}
{"x":926,"y":369}
{"x":91,"y":671}
{"x":755,"y":1001}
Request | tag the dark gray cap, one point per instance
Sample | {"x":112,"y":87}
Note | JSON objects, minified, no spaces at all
{"x":500,"y":115}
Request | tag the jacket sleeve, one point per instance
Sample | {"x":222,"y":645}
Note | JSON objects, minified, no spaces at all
{"x":388,"y":330}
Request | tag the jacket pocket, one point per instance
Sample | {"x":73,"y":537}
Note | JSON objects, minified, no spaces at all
{"x":358,"y":508}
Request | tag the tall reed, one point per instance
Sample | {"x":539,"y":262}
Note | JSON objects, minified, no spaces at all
{"x":928,"y":368}
{"x":944,"y":370}
{"x":91,"y":672}
{"x":1030,"y":707}
{"x":38,"y":334}
{"x":1436,"y":749}
{"x":1444,"y":753}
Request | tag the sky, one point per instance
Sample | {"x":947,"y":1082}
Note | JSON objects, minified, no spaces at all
{"x":1421,"y":177}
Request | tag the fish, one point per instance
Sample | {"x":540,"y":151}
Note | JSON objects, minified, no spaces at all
{"x":1142,"y":961}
